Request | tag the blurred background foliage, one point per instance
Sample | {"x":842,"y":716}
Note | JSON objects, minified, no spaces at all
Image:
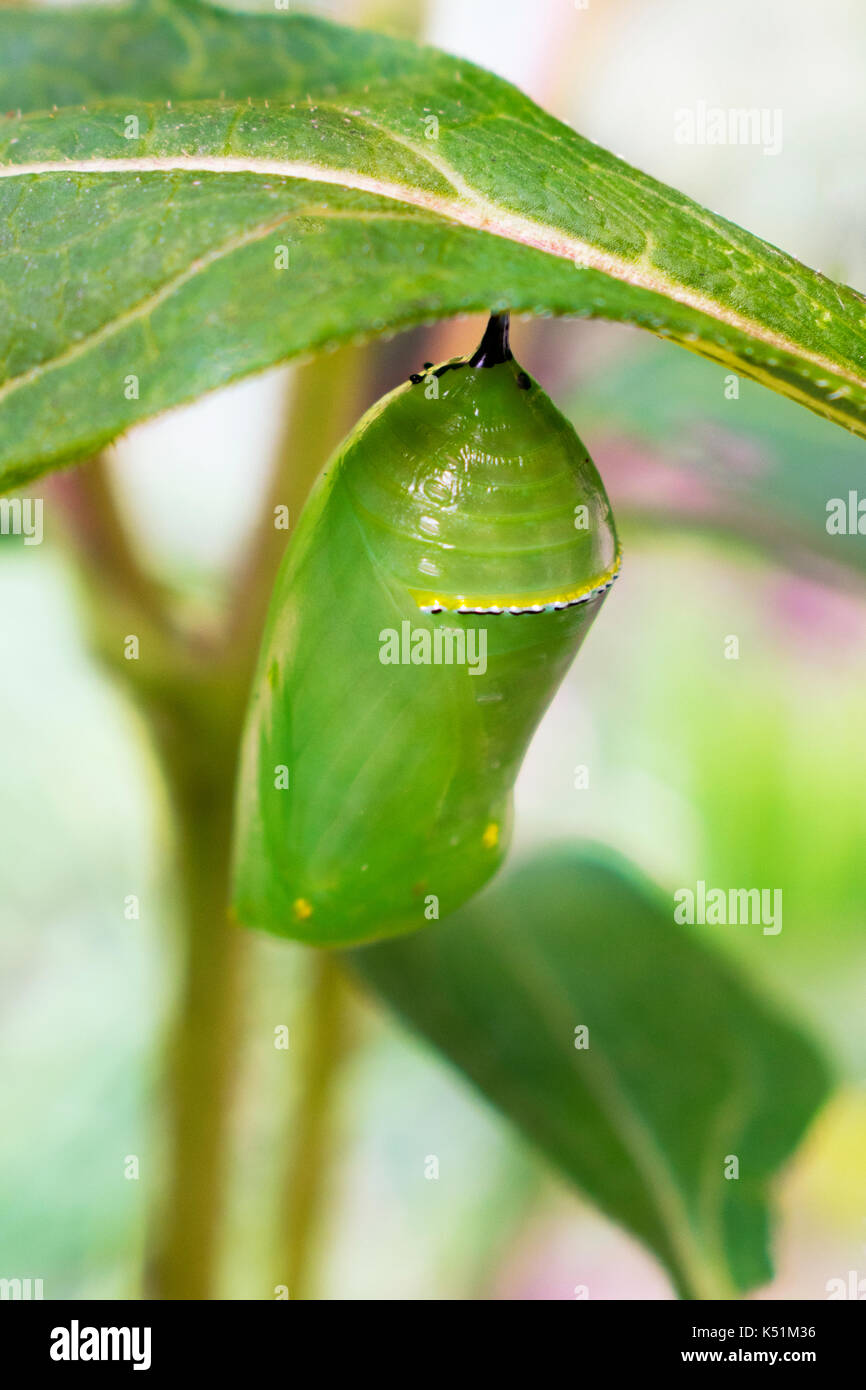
{"x":752,"y":769}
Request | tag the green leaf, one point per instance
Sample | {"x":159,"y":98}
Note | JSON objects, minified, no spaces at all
{"x":149,"y":264}
{"x":685,"y":1064}
{"x":679,"y":454}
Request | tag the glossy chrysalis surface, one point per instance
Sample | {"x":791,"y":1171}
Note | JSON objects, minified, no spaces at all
{"x":449,"y":563}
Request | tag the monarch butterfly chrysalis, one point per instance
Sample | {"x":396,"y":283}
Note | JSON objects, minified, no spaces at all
{"x":448,"y":565}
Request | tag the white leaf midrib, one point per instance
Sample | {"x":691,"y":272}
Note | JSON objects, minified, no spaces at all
{"x":466,"y":208}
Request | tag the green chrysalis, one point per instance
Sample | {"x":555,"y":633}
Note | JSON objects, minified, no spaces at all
{"x":448,"y":565}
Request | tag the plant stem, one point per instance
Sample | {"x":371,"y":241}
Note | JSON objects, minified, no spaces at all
{"x":194,"y":707}
{"x":199,"y":767}
{"x":307,"y":1172}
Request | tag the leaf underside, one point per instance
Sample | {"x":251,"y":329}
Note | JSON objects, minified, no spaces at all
{"x":684,"y":1070}
{"x":158,"y":257}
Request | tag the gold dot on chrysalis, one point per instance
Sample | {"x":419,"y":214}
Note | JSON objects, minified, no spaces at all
{"x":490,"y":838}
{"x":302,"y":909}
